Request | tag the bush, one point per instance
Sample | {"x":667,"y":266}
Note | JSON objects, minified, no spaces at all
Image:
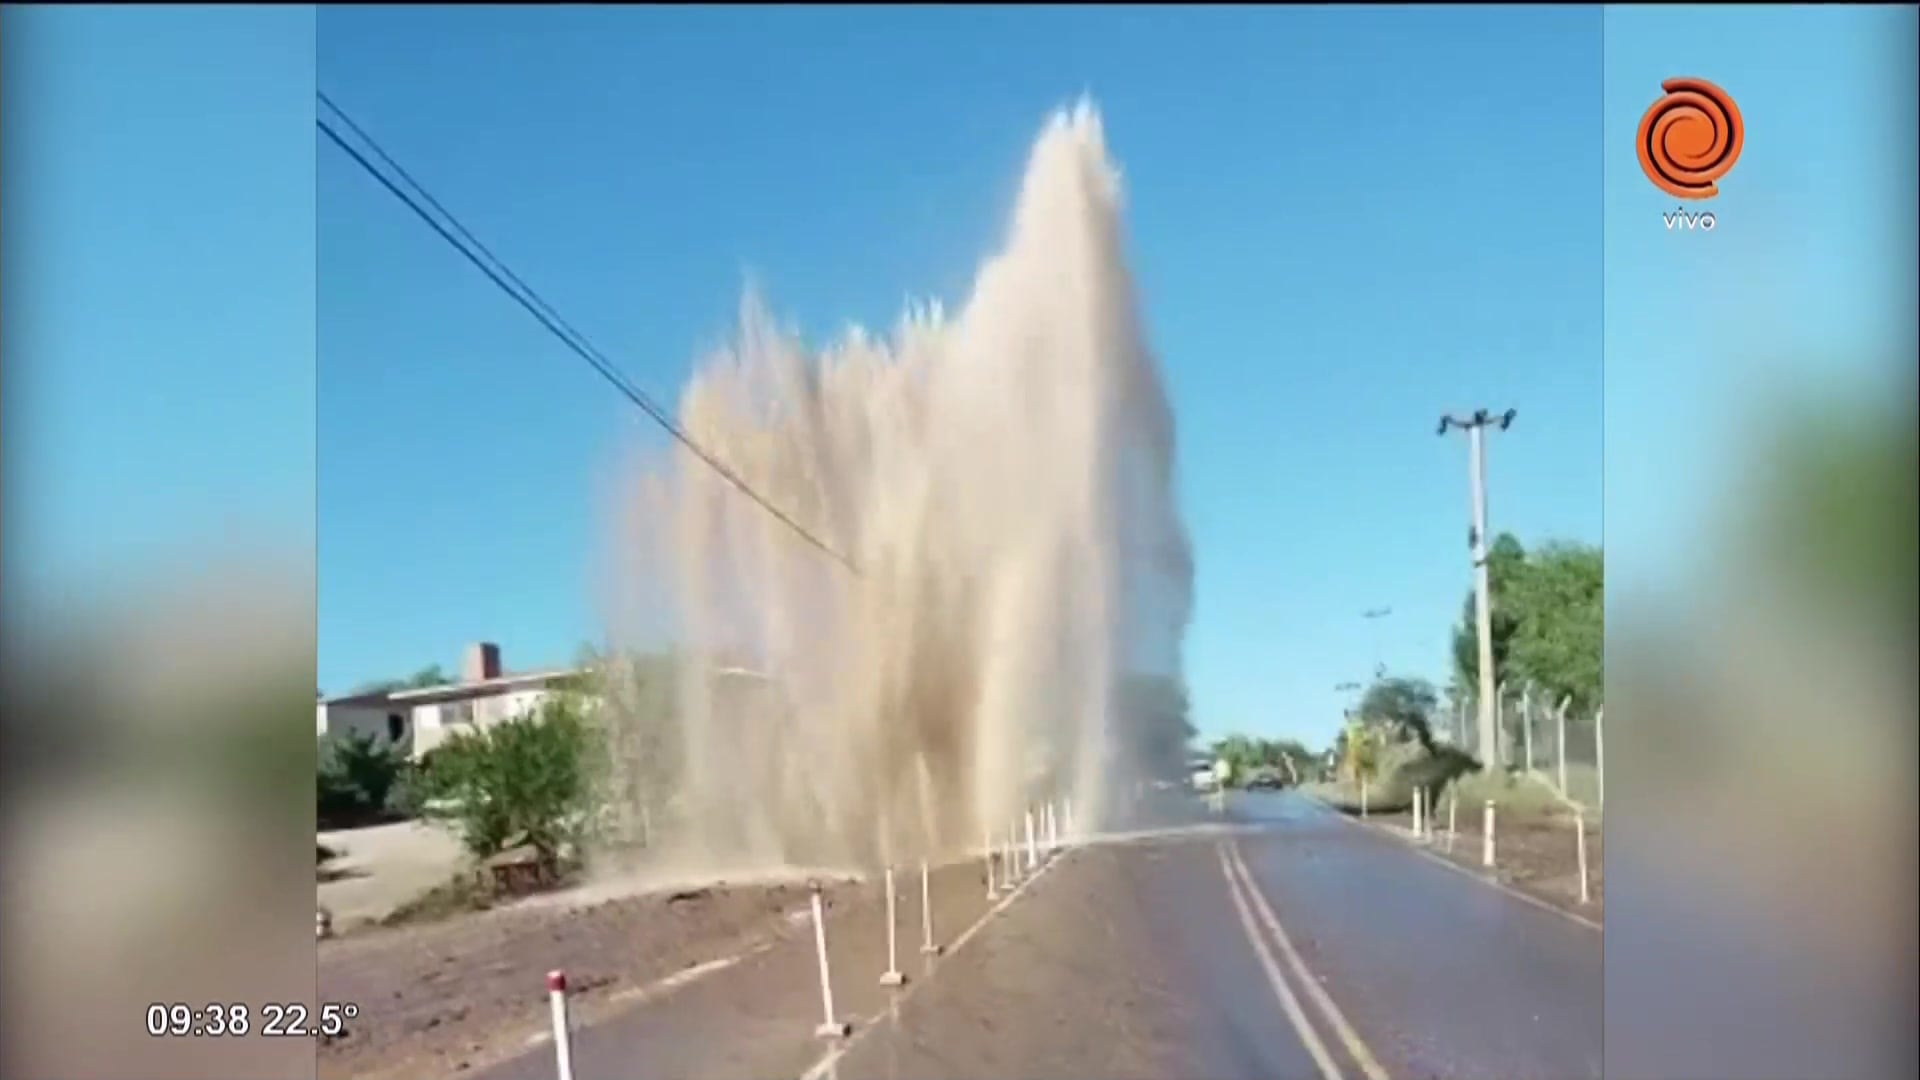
{"x":1523,"y":798}
{"x":1398,"y":769}
{"x":356,"y":779}
{"x":534,"y":780}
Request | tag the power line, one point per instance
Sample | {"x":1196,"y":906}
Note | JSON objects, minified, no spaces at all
{"x":459,"y":237}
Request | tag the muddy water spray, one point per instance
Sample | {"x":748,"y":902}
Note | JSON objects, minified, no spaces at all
{"x":1002,"y":479}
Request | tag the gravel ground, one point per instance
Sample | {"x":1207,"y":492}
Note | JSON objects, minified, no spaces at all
{"x":1537,"y":855}
{"x":381,"y":867}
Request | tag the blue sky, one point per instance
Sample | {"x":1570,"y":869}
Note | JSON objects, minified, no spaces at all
{"x":1327,"y":263}
{"x":1343,"y":221}
{"x":160,"y":357}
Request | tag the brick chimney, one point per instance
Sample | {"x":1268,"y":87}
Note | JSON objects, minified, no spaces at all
{"x":483,"y":662}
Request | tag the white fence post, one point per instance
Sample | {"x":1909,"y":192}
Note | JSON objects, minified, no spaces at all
{"x":926,"y":911}
{"x":1580,"y":845}
{"x":1453,"y":805}
{"x":1600,"y":753}
{"x":1526,"y":726}
{"x":1033,"y":846}
{"x":1486,"y":838}
{"x":892,"y":976}
{"x":1560,"y":724}
{"x":830,"y":1028}
{"x":993,"y":892}
{"x":562,"y":1036}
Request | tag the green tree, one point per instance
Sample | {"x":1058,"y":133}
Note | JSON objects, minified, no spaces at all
{"x":1238,"y":751}
{"x":1402,"y":707}
{"x":356,"y":778}
{"x":537,"y":779}
{"x":1560,"y":640}
{"x":1506,"y":561}
{"x":1548,"y":622}
{"x":1287,"y":756}
{"x":1360,"y":751}
{"x":429,"y":676}
{"x":1246,"y":756}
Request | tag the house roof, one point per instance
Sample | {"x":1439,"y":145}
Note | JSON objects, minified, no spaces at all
{"x":427,"y":695}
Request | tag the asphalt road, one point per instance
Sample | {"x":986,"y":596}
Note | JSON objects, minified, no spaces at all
{"x":1278,"y":941}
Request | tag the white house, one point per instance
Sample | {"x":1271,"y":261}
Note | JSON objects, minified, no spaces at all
{"x":421,"y":718}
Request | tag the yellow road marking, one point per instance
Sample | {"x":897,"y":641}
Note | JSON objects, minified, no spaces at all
{"x":1348,"y":1037}
{"x":1289,"y":1004}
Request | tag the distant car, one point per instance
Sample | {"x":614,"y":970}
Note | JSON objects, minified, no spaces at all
{"x":1266,"y":782}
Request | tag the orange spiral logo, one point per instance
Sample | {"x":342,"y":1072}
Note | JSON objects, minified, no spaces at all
{"x":1691,"y":138}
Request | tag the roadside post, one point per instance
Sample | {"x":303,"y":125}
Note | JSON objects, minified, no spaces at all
{"x":892,"y":976}
{"x":1486,"y":838}
{"x":562,"y":1036}
{"x":926,"y":911}
{"x":993,"y":891}
{"x":829,"y":1028}
{"x":1580,"y":848}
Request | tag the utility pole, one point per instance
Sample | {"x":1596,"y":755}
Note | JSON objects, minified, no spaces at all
{"x":1475,"y":427}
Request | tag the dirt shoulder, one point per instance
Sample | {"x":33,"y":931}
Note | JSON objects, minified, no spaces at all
{"x":1536,"y":853}
{"x":440,"y":998}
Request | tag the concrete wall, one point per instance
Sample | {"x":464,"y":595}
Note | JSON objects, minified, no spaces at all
{"x":338,"y":720}
{"x":436,"y":723}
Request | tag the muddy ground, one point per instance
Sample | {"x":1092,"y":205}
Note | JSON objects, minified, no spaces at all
{"x":444,"y":998}
{"x":441,"y":998}
{"x":1539,"y":855}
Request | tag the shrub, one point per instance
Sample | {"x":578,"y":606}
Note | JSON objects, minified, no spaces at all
{"x":535,"y":780}
{"x":356,"y":778}
{"x":1394,"y":770}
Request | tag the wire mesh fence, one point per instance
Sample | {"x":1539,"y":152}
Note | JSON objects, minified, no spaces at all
{"x":1553,"y":742}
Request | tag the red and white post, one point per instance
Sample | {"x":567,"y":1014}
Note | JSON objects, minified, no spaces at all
{"x":562,"y":1036}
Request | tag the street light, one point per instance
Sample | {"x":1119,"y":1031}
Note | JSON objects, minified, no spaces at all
{"x":1373,"y":615}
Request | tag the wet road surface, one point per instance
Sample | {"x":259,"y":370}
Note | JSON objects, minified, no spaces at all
{"x":1279,"y":941}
